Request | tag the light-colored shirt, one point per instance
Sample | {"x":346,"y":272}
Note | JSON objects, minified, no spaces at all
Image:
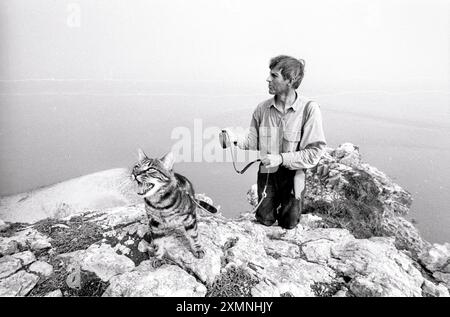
{"x":273,"y":131}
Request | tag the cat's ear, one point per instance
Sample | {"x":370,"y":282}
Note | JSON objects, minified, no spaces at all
{"x":168,"y":160}
{"x":141,"y":155}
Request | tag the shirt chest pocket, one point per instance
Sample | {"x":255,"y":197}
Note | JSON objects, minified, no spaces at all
{"x":291,"y":138}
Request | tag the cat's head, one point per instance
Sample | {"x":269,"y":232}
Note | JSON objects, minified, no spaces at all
{"x":152,"y":175}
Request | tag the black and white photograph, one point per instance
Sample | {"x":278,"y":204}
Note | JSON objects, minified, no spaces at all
{"x":229,"y":155}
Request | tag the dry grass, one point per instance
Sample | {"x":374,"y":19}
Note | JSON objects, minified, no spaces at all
{"x":79,"y":235}
{"x":234,"y":282}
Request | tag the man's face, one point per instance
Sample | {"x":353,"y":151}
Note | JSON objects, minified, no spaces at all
{"x":277,"y":84}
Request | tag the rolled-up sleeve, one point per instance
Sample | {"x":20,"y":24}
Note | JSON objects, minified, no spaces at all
{"x":312,"y":144}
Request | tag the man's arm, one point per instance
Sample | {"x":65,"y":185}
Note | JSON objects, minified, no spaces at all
{"x":312,"y":145}
{"x":249,"y":141}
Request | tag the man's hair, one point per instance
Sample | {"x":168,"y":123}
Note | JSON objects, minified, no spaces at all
{"x":291,"y":68}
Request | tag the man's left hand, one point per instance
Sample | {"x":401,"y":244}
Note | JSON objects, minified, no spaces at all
{"x":272,"y":160}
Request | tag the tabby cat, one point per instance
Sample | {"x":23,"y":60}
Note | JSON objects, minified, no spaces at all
{"x":169,"y":202}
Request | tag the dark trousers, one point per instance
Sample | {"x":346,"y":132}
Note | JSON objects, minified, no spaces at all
{"x":280,"y":203}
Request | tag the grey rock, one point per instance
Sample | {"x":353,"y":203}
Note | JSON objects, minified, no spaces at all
{"x":122,"y":249}
{"x":443,"y":277}
{"x":129,"y":242}
{"x":430,"y":289}
{"x":8,"y":246}
{"x":142,"y":230}
{"x":40,"y":244}
{"x":19,"y":284}
{"x":27,"y":238}
{"x":42,"y":268}
{"x":341,"y":293}
{"x":131,"y":229}
{"x":25,"y":257}
{"x":105,"y":262}
{"x":9,"y":265}
{"x":61,"y":226}
{"x":344,"y":150}
{"x":436,"y":257}
{"x":144,"y":281}
{"x":178,"y":251}
{"x":73,"y":279}
{"x":376,"y":268}
{"x":55,"y":293}
{"x":101,"y":260}
{"x":143,"y":246}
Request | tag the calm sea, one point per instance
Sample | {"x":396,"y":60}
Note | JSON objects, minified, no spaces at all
{"x":51,"y":131}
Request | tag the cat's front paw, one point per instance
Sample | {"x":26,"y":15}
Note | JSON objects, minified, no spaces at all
{"x":199,"y":253}
{"x":156,"y":263}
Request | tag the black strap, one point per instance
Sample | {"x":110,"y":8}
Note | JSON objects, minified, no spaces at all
{"x":245,"y":168}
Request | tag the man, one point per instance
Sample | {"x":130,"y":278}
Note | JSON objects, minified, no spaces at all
{"x":287,"y":130}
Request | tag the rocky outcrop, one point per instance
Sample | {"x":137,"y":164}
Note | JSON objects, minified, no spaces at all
{"x":353,"y":241}
{"x":95,"y":191}
{"x":357,"y":196}
{"x":436,"y":259}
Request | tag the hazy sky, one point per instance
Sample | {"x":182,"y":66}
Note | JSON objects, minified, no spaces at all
{"x":229,"y":40}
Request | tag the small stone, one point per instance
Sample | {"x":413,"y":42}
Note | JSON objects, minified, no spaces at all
{"x":132,"y":229}
{"x":8,"y":246}
{"x":26,"y":257}
{"x":143,"y":246}
{"x":121,"y":235}
{"x":55,"y":293}
{"x":442,"y":277}
{"x":340,"y":293}
{"x":122,"y":249}
{"x":30,"y":237}
{"x":40,"y":245}
{"x":436,"y":257}
{"x":353,"y":160}
{"x":105,"y":262}
{"x":142,"y":230}
{"x":129,"y":242}
{"x":19,"y":284}
{"x":125,"y":250}
{"x":60,"y":225}
{"x":9,"y":265}
{"x":434,"y":290}
{"x":42,"y":268}
{"x":73,"y":280}
{"x":344,"y":150}
{"x":311,"y":221}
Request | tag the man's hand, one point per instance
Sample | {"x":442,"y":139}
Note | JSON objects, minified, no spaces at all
{"x":272,"y":160}
{"x":229,"y":137}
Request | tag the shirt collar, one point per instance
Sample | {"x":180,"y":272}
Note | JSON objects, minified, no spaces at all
{"x":297,"y":103}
